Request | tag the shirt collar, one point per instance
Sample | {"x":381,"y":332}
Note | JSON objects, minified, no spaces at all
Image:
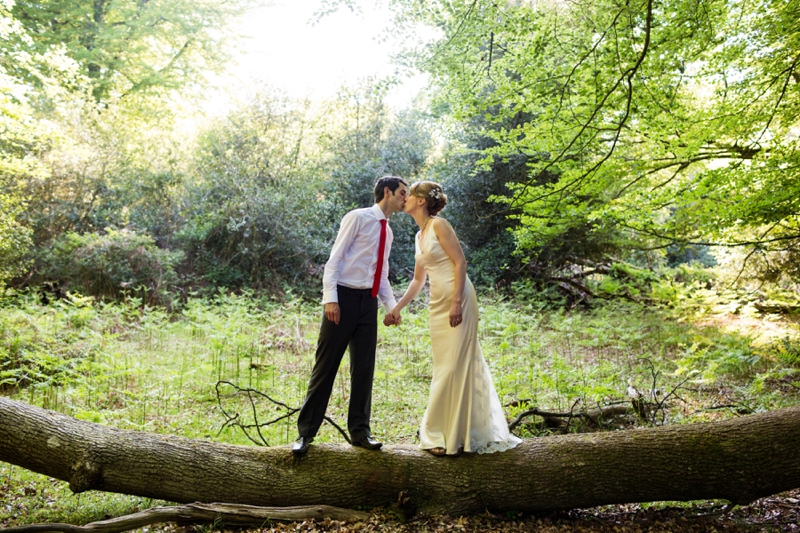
{"x":378,"y":212}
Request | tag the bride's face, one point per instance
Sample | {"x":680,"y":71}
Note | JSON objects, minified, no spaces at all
{"x":414,"y":203}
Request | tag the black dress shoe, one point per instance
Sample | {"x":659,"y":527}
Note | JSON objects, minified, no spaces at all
{"x":368,"y":443}
{"x":300,"y":447}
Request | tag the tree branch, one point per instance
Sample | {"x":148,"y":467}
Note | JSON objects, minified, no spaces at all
{"x":627,"y":79}
{"x":195,"y":513}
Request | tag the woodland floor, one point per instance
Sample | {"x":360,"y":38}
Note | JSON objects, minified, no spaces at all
{"x":739,"y":363}
{"x":776,"y":513}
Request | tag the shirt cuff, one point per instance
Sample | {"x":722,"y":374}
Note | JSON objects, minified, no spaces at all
{"x":390,"y":304}
{"x":330,"y":297}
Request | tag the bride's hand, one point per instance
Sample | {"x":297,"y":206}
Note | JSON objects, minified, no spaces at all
{"x":455,"y":314}
{"x":396,"y":315}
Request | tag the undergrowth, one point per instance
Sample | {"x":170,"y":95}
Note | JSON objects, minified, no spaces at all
{"x":137,"y":367}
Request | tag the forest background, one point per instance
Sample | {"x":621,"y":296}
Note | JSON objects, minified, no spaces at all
{"x":623,"y":177}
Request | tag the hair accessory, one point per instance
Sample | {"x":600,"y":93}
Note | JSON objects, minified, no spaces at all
{"x":435,"y":193}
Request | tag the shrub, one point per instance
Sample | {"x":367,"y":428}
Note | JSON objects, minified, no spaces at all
{"x":112,"y":265}
{"x":15,"y":240}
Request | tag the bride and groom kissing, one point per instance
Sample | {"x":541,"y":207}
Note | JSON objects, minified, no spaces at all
{"x":464,"y":413}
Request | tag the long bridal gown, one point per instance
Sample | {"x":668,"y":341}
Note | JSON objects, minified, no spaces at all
{"x":463,"y":407}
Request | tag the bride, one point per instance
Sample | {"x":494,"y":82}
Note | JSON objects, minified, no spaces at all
{"x":464,"y":412}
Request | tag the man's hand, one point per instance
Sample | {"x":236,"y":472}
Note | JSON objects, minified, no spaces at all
{"x":392,"y":319}
{"x":332,"y":312}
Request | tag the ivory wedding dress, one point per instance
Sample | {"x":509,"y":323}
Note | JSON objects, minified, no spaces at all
{"x":463,"y":407}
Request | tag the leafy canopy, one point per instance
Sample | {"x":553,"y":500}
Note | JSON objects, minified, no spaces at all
{"x":643,"y":123}
{"x":133,"y":46}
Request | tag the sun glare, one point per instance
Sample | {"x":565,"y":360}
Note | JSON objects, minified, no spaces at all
{"x":283,"y":47}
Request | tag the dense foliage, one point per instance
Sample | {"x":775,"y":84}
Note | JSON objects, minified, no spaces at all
{"x":642,"y":124}
{"x":126,"y":47}
{"x":96,"y":155}
{"x":579,"y":143}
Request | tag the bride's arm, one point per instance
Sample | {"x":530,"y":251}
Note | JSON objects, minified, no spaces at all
{"x":420,"y":276}
{"x":449,"y":241}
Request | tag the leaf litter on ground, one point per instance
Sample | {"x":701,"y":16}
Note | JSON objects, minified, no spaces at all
{"x":775,"y":513}
{"x":778,"y":513}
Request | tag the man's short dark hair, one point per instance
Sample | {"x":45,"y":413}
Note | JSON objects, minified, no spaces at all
{"x":393,"y":182}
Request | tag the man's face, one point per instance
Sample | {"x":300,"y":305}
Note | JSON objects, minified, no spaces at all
{"x":398,"y":198}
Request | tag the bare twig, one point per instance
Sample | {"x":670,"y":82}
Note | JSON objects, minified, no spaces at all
{"x":654,"y":406}
{"x":235,"y":420}
{"x":330,"y":421}
{"x":571,"y":414}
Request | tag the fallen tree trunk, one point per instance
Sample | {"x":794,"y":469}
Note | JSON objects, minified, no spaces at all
{"x":739,"y":460}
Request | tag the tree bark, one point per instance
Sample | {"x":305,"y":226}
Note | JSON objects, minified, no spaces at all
{"x":739,"y":460}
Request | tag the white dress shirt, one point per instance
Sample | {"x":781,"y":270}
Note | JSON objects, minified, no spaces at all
{"x":354,"y":256}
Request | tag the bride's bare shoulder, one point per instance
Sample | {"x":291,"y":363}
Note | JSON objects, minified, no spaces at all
{"x":441,"y":225}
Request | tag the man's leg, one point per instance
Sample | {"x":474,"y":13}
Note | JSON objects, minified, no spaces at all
{"x":331,"y":345}
{"x":362,"y":369}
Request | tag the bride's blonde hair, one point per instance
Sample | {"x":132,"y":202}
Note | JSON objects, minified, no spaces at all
{"x":432,"y":192}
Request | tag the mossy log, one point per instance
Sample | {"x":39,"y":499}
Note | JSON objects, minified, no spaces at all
{"x":739,"y":460}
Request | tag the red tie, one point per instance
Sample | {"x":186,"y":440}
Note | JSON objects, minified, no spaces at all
{"x":376,"y":283}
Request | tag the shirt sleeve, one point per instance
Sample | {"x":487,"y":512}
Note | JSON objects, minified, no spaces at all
{"x":347,"y":232}
{"x":385,"y":294}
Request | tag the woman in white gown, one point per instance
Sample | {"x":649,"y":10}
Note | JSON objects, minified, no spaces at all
{"x":464,"y":412}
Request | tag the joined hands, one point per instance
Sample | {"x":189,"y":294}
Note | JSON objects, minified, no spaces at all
{"x":392,"y":319}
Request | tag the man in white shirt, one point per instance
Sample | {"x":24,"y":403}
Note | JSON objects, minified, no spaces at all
{"x":355,"y":278}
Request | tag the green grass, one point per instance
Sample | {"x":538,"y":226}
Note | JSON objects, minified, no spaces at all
{"x":136,"y":367}
{"x":32,"y":498}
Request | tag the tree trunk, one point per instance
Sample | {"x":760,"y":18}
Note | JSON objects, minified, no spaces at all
{"x":739,"y":460}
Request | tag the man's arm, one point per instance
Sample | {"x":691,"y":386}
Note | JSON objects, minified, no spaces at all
{"x":348,"y":229}
{"x":385,"y":294}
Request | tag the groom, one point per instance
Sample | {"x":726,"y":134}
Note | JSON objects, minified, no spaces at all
{"x":355,"y":278}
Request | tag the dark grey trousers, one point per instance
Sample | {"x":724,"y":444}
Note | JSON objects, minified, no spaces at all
{"x":358,"y":330}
